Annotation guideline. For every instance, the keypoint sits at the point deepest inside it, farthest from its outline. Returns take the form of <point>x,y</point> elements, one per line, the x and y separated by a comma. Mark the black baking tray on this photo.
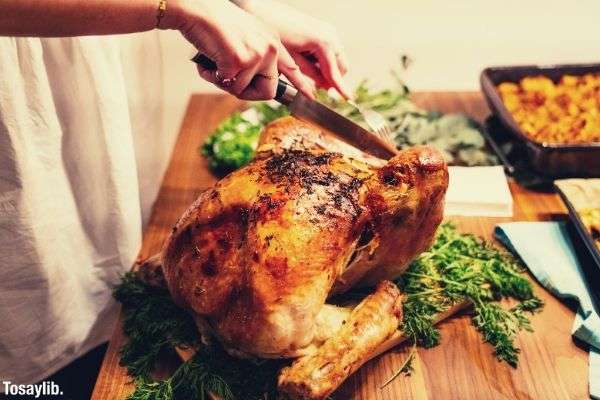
<point>513,155</point>
<point>587,251</point>
<point>546,159</point>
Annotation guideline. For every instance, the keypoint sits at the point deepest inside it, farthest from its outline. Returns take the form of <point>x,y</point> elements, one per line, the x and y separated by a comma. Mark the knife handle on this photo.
<point>284,94</point>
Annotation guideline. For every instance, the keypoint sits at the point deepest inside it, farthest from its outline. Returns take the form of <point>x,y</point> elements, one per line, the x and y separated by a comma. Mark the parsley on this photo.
<point>234,142</point>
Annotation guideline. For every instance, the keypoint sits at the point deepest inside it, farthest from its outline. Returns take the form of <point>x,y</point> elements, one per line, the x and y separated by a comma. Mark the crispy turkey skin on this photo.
<point>257,255</point>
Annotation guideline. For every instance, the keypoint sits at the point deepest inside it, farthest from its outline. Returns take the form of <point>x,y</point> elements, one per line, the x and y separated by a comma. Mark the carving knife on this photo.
<point>313,112</point>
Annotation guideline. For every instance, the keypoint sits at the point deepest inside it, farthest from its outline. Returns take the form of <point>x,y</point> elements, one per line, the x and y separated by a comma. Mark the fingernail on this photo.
<point>310,89</point>
<point>345,90</point>
<point>313,87</point>
<point>310,94</point>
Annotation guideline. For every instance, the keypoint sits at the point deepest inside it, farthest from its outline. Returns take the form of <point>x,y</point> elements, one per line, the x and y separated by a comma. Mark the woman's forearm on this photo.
<point>76,17</point>
<point>249,54</point>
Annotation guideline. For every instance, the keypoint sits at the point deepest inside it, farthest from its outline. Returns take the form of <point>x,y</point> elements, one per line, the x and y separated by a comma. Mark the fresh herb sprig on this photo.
<point>213,371</point>
<point>194,379</point>
<point>406,368</point>
<point>234,142</point>
<point>153,324</point>
<point>462,267</point>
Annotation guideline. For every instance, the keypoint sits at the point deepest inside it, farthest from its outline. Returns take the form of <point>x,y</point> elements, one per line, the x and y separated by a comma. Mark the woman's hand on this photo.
<point>249,55</point>
<point>249,50</point>
<point>312,43</point>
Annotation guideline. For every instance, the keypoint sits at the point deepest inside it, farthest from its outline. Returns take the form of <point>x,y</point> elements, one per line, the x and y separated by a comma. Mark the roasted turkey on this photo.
<point>256,257</point>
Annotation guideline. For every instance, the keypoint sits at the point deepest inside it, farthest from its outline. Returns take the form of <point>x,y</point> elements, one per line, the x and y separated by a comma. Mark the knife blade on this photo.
<point>315,113</point>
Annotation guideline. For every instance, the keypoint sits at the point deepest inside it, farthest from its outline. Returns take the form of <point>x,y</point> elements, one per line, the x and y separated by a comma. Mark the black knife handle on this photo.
<point>285,92</point>
<point>204,62</point>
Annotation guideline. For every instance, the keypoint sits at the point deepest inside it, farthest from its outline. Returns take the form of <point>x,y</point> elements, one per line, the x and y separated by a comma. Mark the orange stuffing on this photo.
<point>558,113</point>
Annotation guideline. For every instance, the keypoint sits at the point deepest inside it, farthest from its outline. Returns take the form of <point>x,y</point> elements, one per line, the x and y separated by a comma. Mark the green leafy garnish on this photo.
<point>192,380</point>
<point>457,268</point>
<point>456,136</point>
<point>153,324</point>
<point>461,267</point>
<point>234,142</point>
<point>212,370</point>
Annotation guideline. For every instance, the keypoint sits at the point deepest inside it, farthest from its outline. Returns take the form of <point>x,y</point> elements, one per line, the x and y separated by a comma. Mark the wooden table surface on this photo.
<point>461,367</point>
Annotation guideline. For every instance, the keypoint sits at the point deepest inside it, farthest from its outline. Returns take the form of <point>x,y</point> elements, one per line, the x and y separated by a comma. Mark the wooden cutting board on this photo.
<point>551,365</point>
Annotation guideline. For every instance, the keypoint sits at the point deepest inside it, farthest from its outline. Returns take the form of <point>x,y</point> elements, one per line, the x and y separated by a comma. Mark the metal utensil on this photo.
<point>377,122</point>
<point>316,113</point>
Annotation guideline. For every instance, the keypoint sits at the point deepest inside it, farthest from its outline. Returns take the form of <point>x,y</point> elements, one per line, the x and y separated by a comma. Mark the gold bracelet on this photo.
<point>160,12</point>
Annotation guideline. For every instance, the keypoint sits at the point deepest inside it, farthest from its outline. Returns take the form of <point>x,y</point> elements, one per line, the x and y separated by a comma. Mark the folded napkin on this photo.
<point>556,267</point>
<point>481,191</point>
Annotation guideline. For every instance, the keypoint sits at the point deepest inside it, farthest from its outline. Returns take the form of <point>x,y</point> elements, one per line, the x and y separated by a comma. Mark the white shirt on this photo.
<point>70,217</point>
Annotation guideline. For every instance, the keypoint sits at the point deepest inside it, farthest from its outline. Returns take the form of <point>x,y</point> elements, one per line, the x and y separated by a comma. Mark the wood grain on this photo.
<point>462,367</point>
